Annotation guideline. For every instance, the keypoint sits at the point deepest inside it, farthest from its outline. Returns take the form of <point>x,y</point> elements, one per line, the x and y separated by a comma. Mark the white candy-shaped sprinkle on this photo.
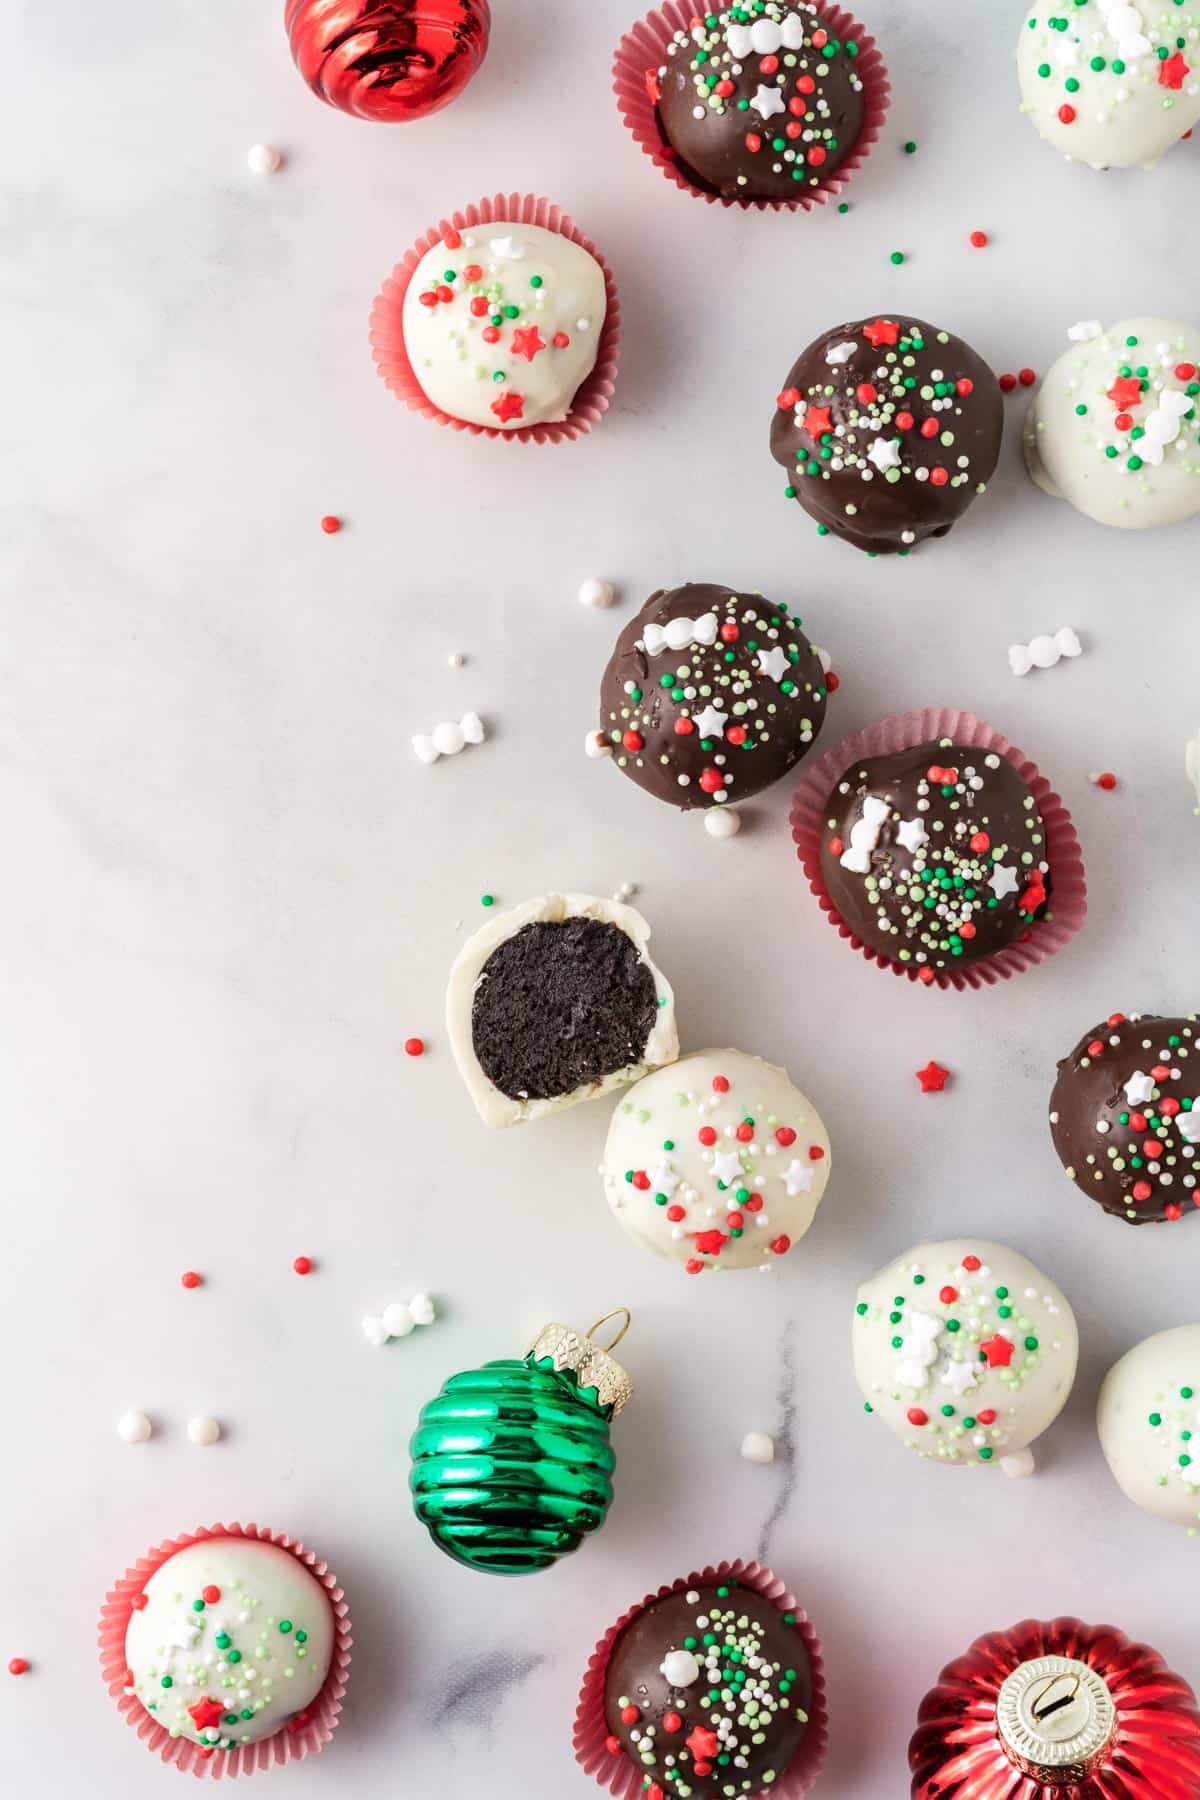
<point>1085,331</point>
<point>134,1428</point>
<point>203,1430</point>
<point>422,1309</point>
<point>757,1447</point>
<point>679,634</point>
<point>374,1330</point>
<point>594,592</point>
<point>721,822</point>
<point>448,738</point>
<point>398,1320</point>
<point>263,159</point>
<point>1043,652</point>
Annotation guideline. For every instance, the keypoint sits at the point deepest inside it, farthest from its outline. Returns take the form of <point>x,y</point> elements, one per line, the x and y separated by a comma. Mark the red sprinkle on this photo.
<point>917,1416</point>
<point>303,1266</point>
<point>190,1279</point>
<point>788,398</point>
<point>979,239</point>
<point>139,1602</point>
<point>712,781</point>
<point>18,1666</point>
<point>745,1132</point>
<point>1096,1048</point>
<point>633,740</point>
<point>331,523</point>
<point>1107,780</point>
<point>693,1266</point>
<point>414,1046</point>
<point>672,1722</point>
<point>451,239</point>
<point>948,1296</point>
<point>1142,1190</point>
<point>1027,377</point>
<point>707,1136</point>
<point>641,1181</point>
<point>630,1715</point>
<point>987,1417</point>
<point>730,632</point>
<point>1008,383</point>
<point>971,1264</point>
<point>1067,114</point>
<point>720,1084</point>
<point>832,682</point>
<point>560,340</point>
<point>867,392</point>
<point>613,1746</point>
<point>210,1595</point>
<point>781,1245</point>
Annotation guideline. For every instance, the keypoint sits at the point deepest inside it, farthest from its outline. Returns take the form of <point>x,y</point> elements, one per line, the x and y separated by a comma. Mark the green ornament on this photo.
<point>511,1464</point>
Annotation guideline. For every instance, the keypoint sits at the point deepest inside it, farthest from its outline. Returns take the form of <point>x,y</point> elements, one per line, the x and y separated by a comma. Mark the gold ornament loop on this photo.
<point>574,1351</point>
<point>618,1312</point>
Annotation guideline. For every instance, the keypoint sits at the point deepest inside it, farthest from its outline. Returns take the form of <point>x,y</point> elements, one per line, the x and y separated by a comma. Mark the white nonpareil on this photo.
<point>680,634</point>
<point>757,1447</point>
<point>680,1669</point>
<point>1044,652</point>
<point>864,836</point>
<point>447,739</point>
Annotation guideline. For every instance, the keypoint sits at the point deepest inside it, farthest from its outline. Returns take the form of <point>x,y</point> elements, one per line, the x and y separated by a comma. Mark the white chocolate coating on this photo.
<point>559,291</point>
<point>1149,1402</point>
<point>1092,458</point>
<point>496,1108</point>
<point>967,1364</point>
<point>1137,103</point>
<point>676,1171</point>
<point>264,1669</point>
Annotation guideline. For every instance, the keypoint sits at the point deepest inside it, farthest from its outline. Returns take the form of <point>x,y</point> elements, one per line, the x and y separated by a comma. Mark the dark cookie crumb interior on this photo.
<point>558,1006</point>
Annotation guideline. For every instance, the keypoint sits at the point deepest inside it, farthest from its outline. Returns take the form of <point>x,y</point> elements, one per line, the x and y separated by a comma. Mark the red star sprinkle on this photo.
<point>1125,391</point>
<point>509,406</point>
<point>998,1350</point>
<point>702,1743</point>
<point>882,332</point>
<point>709,1243</point>
<point>932,1078</point>
<point>1172,73</point>
<point>526,342</point>
<point>205,1713</point>
<point>817,420</point>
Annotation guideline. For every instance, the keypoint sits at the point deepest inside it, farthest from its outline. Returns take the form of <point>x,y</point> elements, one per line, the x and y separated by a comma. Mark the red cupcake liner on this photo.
<point>293,1741</point>
<point>643,50</point>
<point>624,1778</point>
<point>387,324</point>
<point>1068,898</point>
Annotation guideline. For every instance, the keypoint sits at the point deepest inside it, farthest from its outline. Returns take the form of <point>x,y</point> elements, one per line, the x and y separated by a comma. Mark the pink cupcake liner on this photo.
<point>1068,897</point>
<point>306,1735</point>
<point>622,1777</point>
<point>387,324</point>
<point>643,50</point>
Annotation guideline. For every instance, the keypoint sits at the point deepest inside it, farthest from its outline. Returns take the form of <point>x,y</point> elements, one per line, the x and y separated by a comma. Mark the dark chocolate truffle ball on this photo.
<point>665,1667</point>
<point>1125,1116</point>
<point>710,695</point>
<point>760,102</point>
<point>888,429</point>
<point>935,856</point>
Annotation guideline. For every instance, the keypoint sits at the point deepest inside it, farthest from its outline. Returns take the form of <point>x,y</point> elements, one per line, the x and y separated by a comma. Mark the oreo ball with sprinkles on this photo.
<point>965,1351</point>
<point>1111,83</point>
<point>710,695</point>
<point>934,857</point>
<point>1125,1117</point>
<point>502,323</point>
<point>761,101</point>
<point>716,1163</point>
<point>888,429</point>
<point>1115,427</point>
<point>709,1692</point>
<point>1148,1417</point>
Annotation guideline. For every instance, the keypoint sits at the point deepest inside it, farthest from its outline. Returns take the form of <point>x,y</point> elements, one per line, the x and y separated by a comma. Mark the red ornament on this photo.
<point>389,60</point>
<point>1147,1740</point>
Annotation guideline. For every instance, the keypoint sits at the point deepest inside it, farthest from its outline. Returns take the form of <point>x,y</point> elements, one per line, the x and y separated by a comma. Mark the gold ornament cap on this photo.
<point>1056,1720</point>
<point>592,1365</point>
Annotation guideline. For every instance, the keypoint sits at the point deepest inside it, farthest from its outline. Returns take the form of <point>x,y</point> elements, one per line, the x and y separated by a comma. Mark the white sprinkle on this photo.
<point>757,1447</point>
<point>263,159</point>
<point>596,593</point>
<point>203,1430</point>
<point>134,1428</point>
<point>721,822</point>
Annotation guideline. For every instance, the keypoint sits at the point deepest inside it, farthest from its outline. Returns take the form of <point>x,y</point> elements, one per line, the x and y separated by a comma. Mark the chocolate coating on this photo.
<point>686,1722</point>
<point>898,837</point>
<point>888,429</point>
<point>779,98</point>
<point>559,1006</point>
<point>723,716</point>
<point>1121,1116</point>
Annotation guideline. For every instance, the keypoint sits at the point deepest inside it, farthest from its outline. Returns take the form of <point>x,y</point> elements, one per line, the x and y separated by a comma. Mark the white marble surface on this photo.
<point>230,891</point>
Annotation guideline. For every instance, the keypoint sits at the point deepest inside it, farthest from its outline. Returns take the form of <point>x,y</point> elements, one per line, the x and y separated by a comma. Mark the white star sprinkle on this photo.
<point>727,1166</point>
<point>1139,1088</point>
<point>767,102</point>
<point>774,663</point>
<point>885,454</point>
<point>509,249</point>
<point>798,1177</point>
<point>711,722</point>
<point>664,1180</point>
<point>1187,1124</point>
<point>1003,880</point>
<point>959,1377</point>
<point>911,835</point>
<point>837,354</point>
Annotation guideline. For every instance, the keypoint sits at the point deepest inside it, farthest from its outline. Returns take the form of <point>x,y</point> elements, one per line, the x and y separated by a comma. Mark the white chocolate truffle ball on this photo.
<point>1149,1422</point>
<point>1114,83</point>
<point>964,1350</point>
<point>1115,427</point>
<point>230,1627</point>
<point>716,1162</point>
<point>543,351</point>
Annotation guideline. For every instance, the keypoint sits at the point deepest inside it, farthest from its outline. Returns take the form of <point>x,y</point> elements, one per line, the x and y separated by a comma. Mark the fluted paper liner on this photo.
<point>387,324</point>
<point>305,1735</point>
<point>624,1778</point>
<point>642,52</point>
<point>1068,892</point>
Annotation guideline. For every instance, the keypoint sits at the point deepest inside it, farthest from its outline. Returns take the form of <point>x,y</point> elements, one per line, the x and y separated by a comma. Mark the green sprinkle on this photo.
<point>897,256</point>
<point>910,147</point>
<point>487,899</point>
